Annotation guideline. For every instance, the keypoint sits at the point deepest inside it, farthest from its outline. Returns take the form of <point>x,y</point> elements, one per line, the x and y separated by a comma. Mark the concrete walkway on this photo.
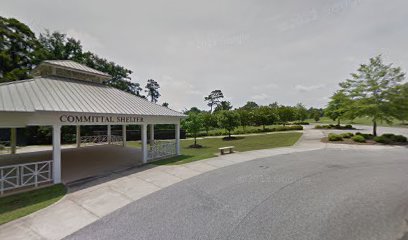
<point>89,202</point>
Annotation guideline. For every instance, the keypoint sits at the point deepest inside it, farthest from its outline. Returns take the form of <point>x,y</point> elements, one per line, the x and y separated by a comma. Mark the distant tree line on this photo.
<point>222,115</point>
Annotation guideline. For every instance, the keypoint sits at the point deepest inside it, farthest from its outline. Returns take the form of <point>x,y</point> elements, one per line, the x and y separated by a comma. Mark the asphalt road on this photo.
<point>323,194</point>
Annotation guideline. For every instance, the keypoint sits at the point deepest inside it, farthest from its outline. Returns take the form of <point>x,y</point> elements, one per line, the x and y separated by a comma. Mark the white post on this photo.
<point>109,134</point>
<point>144,143</point>
<point>151,141</point>
<point>124,135</point>
<point>178,139</point>
<point>13,140</point>
<point>56,153</point>
<point>78,136</point>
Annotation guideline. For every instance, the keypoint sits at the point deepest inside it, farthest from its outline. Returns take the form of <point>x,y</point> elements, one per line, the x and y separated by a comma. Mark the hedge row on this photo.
<point>387,138</point>
<point>249,131</point>
<point>332,126</point>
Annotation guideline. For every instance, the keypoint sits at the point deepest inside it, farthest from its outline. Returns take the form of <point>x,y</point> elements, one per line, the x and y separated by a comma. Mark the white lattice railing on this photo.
<point>161,149</point>
<point>101,139</point>
<point>23,175</point>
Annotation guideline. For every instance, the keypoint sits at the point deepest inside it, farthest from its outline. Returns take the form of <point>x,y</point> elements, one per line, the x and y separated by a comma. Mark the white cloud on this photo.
<point>260,97</point>
<point>303,88</point>
<point>88,41</point>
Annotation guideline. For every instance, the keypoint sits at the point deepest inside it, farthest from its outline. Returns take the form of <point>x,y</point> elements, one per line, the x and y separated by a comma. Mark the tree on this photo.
<point>152,89</point>
<point>223,105</point>
<point>250,105</point>
<point>401,96</point>
<point>191,110</point>
<point>373,90</point>
<point>338,106</point>
<point>245,117</point>
<point>17,50</point>
<point>286,114</point>
<point>265,115</point>
<point>315,114</point>
<point>193,124</point>
<point>301,112</point>
<point>209,121</point>
<point>228,120</point>
<point>20,51</point>
<point>214,99</point>
<point>165,104</point>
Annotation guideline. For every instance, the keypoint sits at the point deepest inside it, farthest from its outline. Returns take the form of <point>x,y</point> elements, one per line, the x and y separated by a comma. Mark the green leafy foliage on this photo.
<point>18,46</point>
<point>193,125</point>
<point>338,106</point>
<point>347,135</point>
<point>358,138</point>
<point>228,120</point>
<point>20,51</point>
<point>264,115</point>
<point>389,138</point>
<point>374,90</point>
<point>335,137</point>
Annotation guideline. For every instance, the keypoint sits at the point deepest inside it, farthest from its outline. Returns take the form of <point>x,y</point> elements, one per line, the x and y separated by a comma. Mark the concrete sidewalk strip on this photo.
<point>199,166</point>
<point>91,201</point>
<point>102,201</point>
<point>18,230</point>
<point>133,187</point>
<point>59,220</point>
<point>158,177</point>
<point>180,171</point>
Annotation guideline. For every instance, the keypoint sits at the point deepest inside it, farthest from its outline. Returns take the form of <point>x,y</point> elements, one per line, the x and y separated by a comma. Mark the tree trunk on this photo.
<point>338,121</point>
<point>195,141</point>
<point>229,134</point>
<point>263,126</point>
<point>375,127</point>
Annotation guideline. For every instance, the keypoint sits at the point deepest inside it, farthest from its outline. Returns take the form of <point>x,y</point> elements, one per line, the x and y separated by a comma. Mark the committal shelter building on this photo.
<point>63,93</point>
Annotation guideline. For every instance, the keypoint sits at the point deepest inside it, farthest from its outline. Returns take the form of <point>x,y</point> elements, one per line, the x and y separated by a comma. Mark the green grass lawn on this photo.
<point>242,144</point>
<point>22,204</point>
<point>360,121</point>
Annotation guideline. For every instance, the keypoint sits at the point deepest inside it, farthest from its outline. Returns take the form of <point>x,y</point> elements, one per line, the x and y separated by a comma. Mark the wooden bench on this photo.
<point>230,148</point>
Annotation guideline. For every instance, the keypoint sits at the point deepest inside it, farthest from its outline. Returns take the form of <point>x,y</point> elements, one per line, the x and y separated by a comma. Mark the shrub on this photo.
<point>389,138</point>
<point>388,135</point>
<point>358,138</point>
<point>335,137</point>
<point>332,126</point>
<point>347,135</point>
<point>399,139</point>
<point>300,123</point>
<point>383,140</point>
<point>365,135</point>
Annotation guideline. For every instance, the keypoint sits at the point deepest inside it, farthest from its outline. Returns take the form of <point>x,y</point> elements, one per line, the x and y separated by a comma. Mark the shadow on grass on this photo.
<point>22,204</point>
<point>232,138</point>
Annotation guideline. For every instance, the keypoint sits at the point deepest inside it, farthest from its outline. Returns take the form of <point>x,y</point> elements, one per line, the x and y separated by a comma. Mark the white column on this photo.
<point>13,140</point>
<point>151,134</point>
<point>78,136</point>
<point>109,134</point>
<point>144,143</point>
<point>124,135</point>
<point>178,139</point>
<point>56,153</point>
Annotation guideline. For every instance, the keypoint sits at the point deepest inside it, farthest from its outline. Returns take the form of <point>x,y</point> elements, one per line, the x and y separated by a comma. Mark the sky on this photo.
<point>257,50</point>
